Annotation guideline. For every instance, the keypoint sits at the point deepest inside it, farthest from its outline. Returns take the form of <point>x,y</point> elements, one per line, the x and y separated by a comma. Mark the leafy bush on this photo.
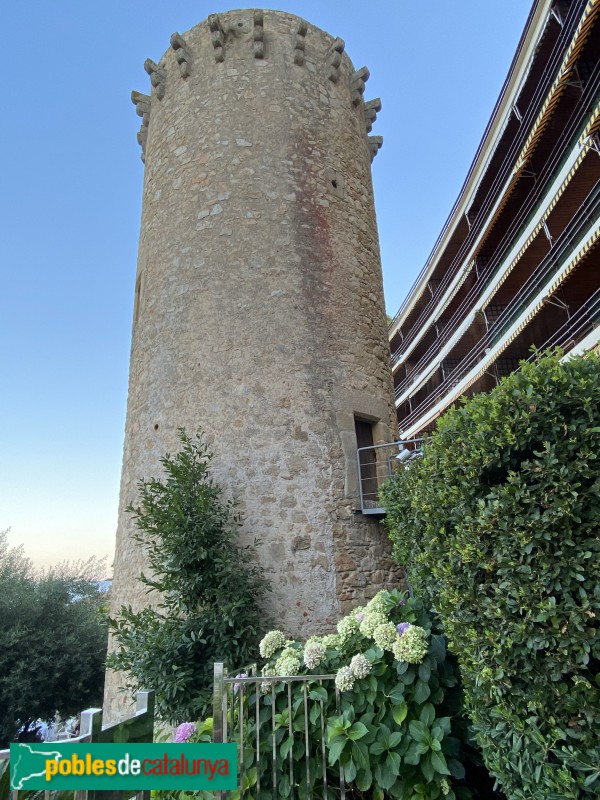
<point>498,528</point>
<point>208,590</point>
<point>52,640</point>
<point>393,727</point>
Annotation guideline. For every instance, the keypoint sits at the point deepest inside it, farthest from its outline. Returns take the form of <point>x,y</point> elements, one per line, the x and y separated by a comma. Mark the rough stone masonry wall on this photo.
<point>259,312</point>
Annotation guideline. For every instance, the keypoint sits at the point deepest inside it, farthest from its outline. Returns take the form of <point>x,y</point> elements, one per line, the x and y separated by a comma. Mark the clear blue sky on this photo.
<point>70,210</point>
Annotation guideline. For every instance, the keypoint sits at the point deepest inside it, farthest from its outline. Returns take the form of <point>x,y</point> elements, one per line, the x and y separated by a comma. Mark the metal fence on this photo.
<point>279,725</point>
<point>136,729</point>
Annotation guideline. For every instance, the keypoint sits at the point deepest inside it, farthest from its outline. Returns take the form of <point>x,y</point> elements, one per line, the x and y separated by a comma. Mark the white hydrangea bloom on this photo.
<point>344,679</point>
<point>333,641</point>
<point>348,625</point>
<point>314,654</point>
<point>378,603</point>
<point>265,686</point>
<point>288,663</point>
<point>385,636</point>
<point>371,620</point>
<point>412,646</point>
<point>360,666</point>
<point>271,643</point>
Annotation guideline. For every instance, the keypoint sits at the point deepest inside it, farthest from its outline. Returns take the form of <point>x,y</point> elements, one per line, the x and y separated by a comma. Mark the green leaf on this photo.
<point>360,754</point>
<point>318,693</point>
<point>284,786</point>
<point>426,768</point>
<point>418,730</point>
<point>364,780</point>
<point>384,776</point>
<point>456,769</point>
<point>357,731</point>
<point>427,715</point>
<point>335,750</point>
<point>350,771</point>
<point>286,746</point>
<point>438,762</point>
<point>395,739</point>
<point>413,754</point>
<point>422,691</point>
<point>392,762</point>
<point>397,694</point>
<point>399,712</point>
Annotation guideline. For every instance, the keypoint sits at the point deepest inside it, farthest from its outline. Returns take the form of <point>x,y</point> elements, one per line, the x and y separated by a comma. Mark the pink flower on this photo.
<point>184,731</point>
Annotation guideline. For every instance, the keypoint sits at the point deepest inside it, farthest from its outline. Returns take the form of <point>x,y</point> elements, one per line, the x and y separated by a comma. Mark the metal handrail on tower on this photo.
<point>376,464</point>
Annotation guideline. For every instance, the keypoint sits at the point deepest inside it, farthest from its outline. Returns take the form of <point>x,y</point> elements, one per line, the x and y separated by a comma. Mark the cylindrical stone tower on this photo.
<point>259,313</point>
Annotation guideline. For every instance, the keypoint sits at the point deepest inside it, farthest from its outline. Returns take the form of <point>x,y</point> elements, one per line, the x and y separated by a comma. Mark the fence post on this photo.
<point>218,691</point>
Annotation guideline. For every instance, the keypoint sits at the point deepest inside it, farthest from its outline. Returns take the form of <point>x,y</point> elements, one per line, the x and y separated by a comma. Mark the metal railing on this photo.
<point>376,464</point>
<point>273,720</point>
<point>136,729</point>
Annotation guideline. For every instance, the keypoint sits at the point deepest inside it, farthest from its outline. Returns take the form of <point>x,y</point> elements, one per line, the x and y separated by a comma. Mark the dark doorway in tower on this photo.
<point>367,462</point>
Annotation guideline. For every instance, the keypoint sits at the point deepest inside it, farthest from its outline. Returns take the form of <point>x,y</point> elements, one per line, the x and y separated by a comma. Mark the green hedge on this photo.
<point>498,528</point>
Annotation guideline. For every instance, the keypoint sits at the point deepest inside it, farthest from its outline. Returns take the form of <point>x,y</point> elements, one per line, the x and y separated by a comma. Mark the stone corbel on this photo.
<point>258,35</point>
<point>375,144</point>
<point>298,41</point>
<point>181,54</point>
<point>217,36</point>
<point>357,84</point>
<point>334,59</point>
<point>157,77</point>
<point>372,108</point>
<point>142,108</point>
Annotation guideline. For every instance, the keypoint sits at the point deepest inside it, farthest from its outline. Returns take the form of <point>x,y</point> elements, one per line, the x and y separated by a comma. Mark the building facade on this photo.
<point>259,314</point>
<point>517,262</point>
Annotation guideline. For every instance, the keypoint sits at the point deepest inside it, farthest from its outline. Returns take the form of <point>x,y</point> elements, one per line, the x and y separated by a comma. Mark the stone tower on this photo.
<point>259,312</point>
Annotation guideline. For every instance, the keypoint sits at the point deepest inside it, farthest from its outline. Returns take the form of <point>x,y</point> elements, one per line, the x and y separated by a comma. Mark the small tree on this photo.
<point>208,590</point>
<point>52,640</point>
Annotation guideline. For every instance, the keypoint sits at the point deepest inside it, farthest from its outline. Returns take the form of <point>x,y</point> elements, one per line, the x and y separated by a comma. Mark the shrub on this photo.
<point>208,590</point>
<point>498,528</point>
<point>52,641</point>
<point>393,727</point>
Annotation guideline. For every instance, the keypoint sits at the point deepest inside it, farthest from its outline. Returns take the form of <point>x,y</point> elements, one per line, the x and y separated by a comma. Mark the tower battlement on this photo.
<point>272,38</point>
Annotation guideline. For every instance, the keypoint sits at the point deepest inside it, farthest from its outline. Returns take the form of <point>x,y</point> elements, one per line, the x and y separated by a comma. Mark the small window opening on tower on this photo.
<point>367,462</point>
<point>335,182</point>
<point>137,298</point>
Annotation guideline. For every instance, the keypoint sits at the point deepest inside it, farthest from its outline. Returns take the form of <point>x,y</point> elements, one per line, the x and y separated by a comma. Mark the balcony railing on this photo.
<point>376,465</point>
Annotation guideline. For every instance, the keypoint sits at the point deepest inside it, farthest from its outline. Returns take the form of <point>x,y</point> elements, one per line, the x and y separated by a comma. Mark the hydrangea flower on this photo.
<point>344,679</point>
<point>333,641</point>
<point>265,686</point>
<point>371,620</point>
<point>412,646</point>
<point>378,603</point>
<point>348,626</point>
<point>360,666</point>
<point>402,627</point>
<point>184,731</point>
<point>271,643</point>
<point>314,654</point>
<point>288,663</point>
<point>385,635</point>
